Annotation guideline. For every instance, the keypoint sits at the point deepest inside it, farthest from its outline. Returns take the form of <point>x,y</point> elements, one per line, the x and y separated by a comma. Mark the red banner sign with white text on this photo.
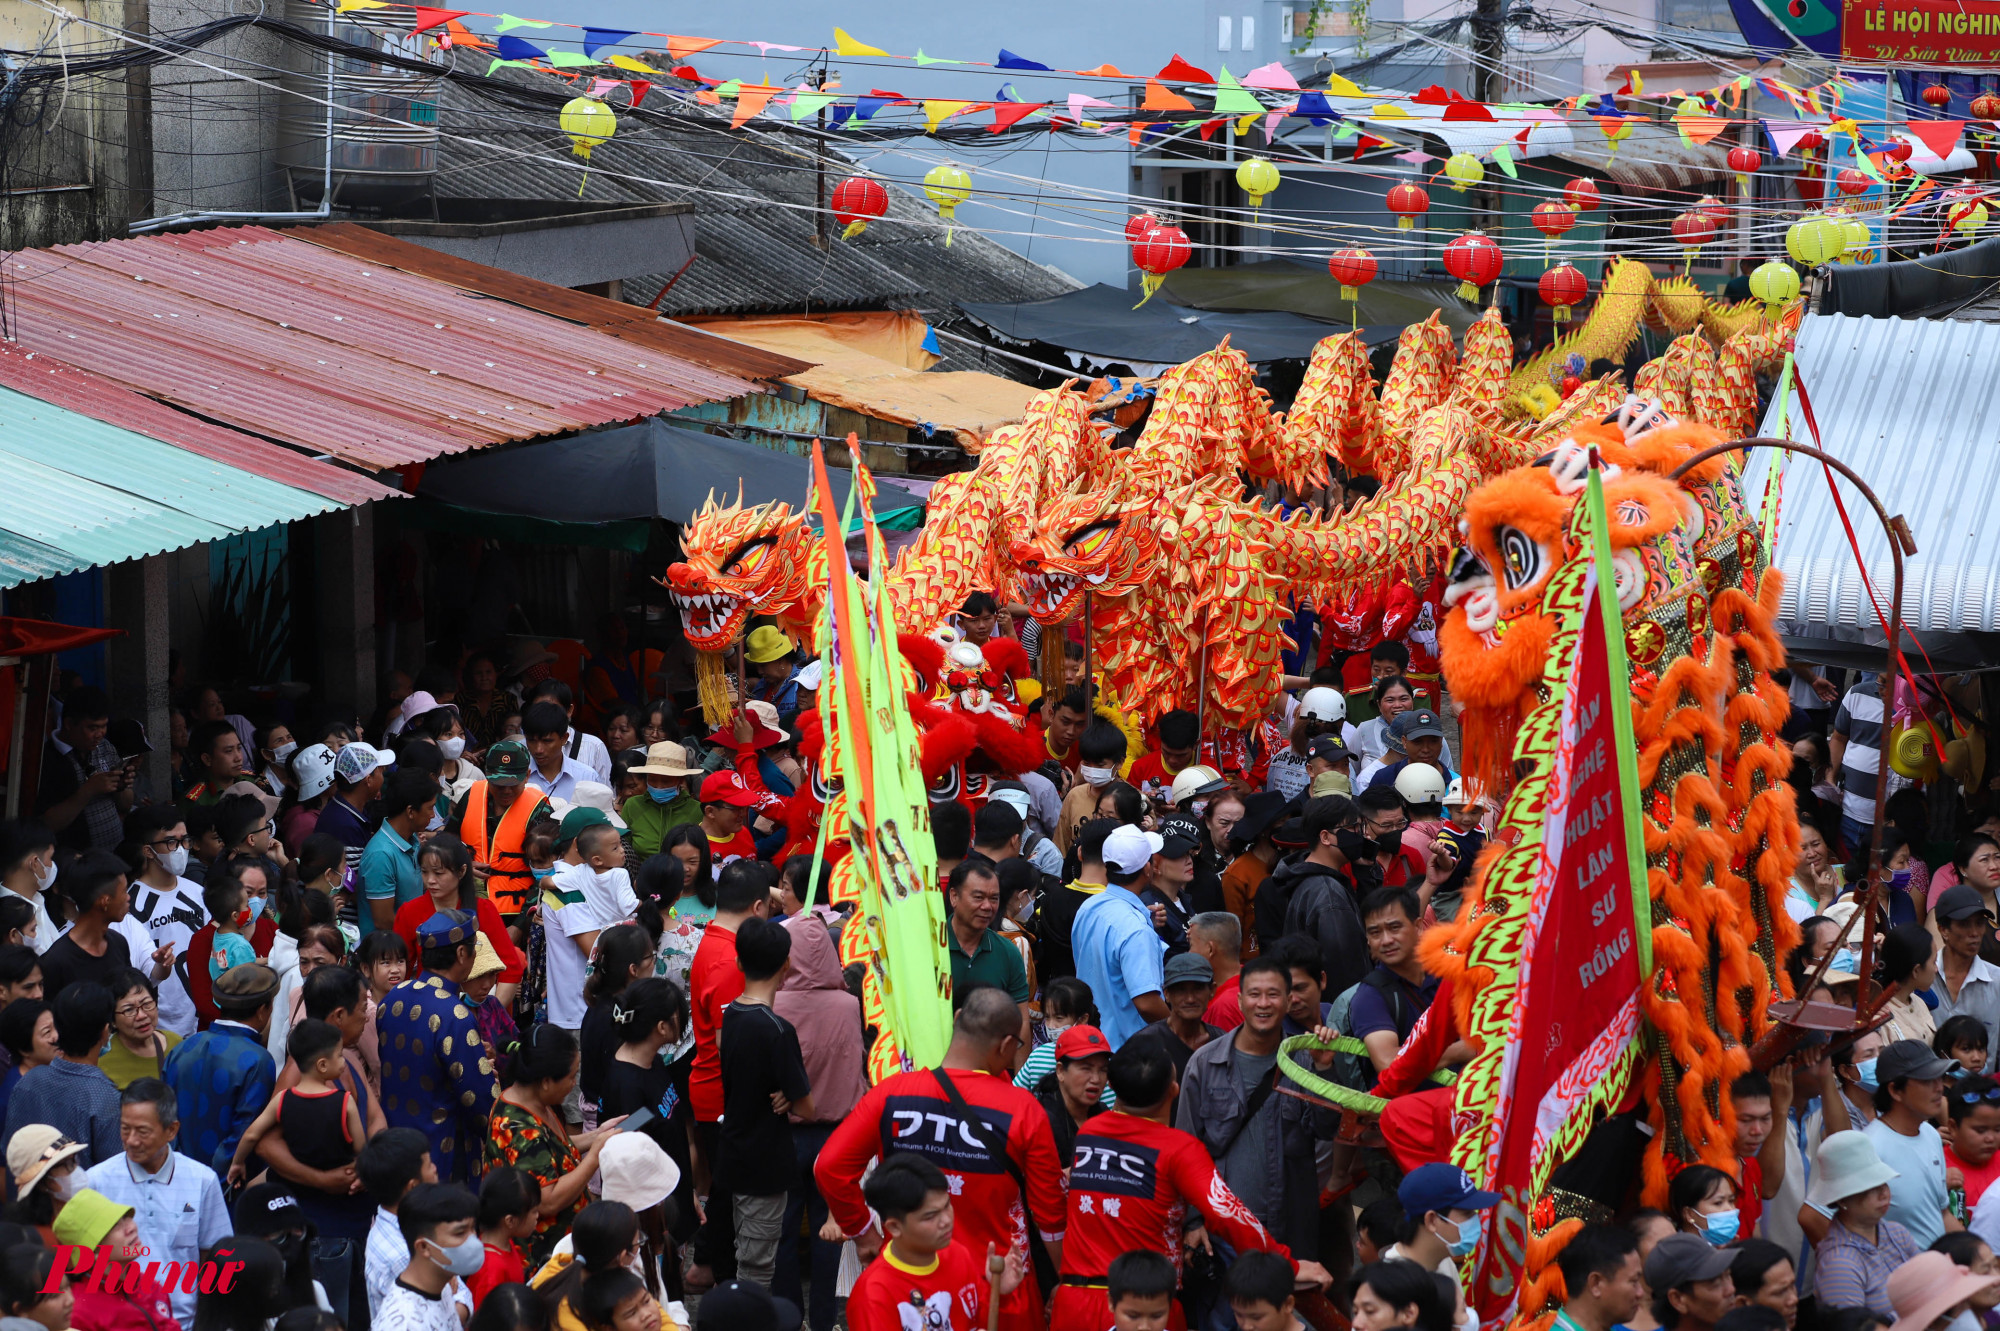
<point>1924,32</point>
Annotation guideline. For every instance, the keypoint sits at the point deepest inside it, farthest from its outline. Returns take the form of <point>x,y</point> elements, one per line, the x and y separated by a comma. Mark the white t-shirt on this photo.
<point>591,753</point>
<point>1917,1196</point>
<point>575,901</point>
<point>171,917</point>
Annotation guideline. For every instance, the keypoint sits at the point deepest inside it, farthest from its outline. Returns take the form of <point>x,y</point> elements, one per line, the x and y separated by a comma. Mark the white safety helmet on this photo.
<point>1193,782</point>
<point>313,767</point>
<point>1454,794</point>
<point>1323,704</point>
<point>1418,784</point>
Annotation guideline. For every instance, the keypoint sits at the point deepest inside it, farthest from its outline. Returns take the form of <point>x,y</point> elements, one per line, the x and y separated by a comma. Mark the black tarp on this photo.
<point>1932,286</point>
<point>1100,322</point>
<point>648,470</point>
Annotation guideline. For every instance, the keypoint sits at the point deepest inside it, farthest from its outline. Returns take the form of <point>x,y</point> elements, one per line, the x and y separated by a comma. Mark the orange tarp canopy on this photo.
<point>874,363</point>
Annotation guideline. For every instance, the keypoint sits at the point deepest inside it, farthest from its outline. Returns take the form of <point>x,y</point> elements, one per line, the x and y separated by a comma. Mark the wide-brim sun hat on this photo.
<point>1927,1286</point>
<point>1847,1166</point>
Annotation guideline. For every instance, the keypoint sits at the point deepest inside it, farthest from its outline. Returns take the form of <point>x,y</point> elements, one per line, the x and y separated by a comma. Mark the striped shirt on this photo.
<point>1854,1273</point>
<point>1859,720</point>
<point>179,1211</point>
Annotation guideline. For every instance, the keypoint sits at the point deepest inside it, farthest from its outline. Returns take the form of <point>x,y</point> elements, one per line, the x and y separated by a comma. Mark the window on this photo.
<point>1222,36</point>
<point>1249,33</point>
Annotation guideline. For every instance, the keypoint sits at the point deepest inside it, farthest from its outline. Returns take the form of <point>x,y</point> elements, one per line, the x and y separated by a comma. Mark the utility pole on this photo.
<point>819,167</point>
<point>1489,43</point>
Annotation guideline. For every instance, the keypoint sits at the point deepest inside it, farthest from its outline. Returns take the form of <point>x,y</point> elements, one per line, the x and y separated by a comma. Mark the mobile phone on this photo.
<point>637,1119</point>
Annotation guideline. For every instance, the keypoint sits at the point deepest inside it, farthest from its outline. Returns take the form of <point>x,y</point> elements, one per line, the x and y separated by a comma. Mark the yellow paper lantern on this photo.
<point>1857,236</point>
<point>1464,170</point>
<point>1968,217</point>
<point>947,186</point>
<point>1774,283</point>
<point>1256,178</point>
<point>1815,241</point>
<point>588,122</point>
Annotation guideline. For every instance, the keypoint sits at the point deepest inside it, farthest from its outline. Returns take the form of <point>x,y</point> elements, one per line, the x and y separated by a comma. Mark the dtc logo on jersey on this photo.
<point>932,1128</point>
<point>1105,1164</point>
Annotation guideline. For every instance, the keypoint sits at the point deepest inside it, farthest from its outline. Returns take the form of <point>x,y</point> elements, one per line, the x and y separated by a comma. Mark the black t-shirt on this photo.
<point>626,1088</point>
<point>1160,1038</point>
<point>760,1054</point>
<point>65,963</point>
<point>598,1041</point>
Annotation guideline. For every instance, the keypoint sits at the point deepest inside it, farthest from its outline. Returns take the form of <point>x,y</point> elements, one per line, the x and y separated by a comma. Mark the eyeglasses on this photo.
<point>169,843</point>
<point>1974,1097</point>
<point>144,1007</point>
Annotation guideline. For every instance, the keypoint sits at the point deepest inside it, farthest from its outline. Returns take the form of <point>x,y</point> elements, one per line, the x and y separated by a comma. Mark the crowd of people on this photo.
<point>526,1009</point>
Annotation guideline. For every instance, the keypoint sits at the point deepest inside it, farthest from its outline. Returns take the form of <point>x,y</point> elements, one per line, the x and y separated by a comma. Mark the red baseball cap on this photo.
<point>726,788</point>
<point>1081,1042</point>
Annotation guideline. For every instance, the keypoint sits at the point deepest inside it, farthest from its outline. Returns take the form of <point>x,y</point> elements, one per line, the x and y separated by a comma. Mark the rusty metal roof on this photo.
<point>1651,160</point>
<point>64,385</point>
<point>338,355</point>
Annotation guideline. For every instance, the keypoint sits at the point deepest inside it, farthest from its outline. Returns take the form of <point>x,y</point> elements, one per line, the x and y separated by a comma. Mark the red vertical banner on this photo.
<point>1585,956</point>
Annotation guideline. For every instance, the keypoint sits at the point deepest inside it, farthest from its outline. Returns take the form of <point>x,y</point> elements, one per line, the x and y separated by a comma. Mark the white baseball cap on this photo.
<point>356,762</point>
<point>1323,704</point>
<point>1128,848</point>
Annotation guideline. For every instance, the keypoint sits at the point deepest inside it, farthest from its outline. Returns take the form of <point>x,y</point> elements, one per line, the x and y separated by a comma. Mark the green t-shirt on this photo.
<point>997,962</point>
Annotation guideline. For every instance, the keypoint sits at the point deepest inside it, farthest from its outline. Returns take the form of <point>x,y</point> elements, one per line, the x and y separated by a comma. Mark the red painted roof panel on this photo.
<point>331,353</point>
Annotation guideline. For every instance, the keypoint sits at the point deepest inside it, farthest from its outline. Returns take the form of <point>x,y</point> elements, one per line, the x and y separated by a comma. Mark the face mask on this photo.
<point>282,752</point>
<point>1388,843</point>
<point>1865,1069</point>
<point>256,908</point>
<point>45,877</point>
<point>465,1259</point>
<point>453,747</point>
<point>543,873</point>
<point>64,1188</point>
<point>175,862</point>
<point>1719,1228</point>
<point>1097,776</point>
<point>1468,1236</point>
<point>663,796</point>
<point>1900,878</point>
<point>1354,846</point>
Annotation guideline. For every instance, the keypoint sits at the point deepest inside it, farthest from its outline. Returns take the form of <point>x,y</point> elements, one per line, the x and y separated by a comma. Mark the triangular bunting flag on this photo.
<point>457,34</point>
<point>1386,111</point>
<point>1467,111</point>
<point>570,59</point>
<point>1208,128</point>
<point>1367,143</point>
<point>1008,60</point>
<point>1312,105</point>
<point>1271,123</point>
<point>807,102</point>
<point>1434,96</point>
<point>523,64</point>
<point>346,6</point>
<point>750,102</point>
<point>432,18</point>
<point>1180,71</point>
<point>1106,72</point>
<point>639,90</point>
<point>1273,77</point>
<point>680,48</point>
<point>508,23</point>
<point>1006,115</point>
<point>928,60</point>
<point>596,37</point>
<point>513,48</point>
<point>846,45</point>
<point>1159,99</point>
<point>936,111</point>
<point>1700,129</point>
<point>1503,157</point>
<point>1940,136</point>
<point>627,62</point>
<point>1078,101</point>
<point>1341,87</point>
<point>1232,98</point>
<point>1785,135</point>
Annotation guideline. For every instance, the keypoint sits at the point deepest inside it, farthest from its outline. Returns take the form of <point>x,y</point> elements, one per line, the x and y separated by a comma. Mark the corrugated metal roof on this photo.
<point>80,493</point>
<point>1651,158</point>
<point>755,257</point>
<point>331,353</point>
<point>1910,405</point>
<point>65,385</point>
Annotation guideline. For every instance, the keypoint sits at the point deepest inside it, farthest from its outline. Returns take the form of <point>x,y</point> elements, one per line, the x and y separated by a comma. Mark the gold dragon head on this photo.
<point>740,562</point>
<point>1101,541</point>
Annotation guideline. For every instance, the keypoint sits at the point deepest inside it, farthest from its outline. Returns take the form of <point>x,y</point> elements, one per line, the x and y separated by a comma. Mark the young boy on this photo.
<point>437,1222</point>
<point>763,1079</point>
<point>394,1161</point>
<point>231,913</point>
<point>1259,1286</point>
<point>1974,1150</point>
<point>1140,1286</point>
<point>923,1278</point>
<point>1375,1230</point>
<point>324,1118</point>
<point>508,1200</point>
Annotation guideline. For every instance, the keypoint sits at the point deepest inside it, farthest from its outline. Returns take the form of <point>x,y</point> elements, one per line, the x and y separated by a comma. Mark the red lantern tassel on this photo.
<point>1404,224</point>
<point>1467,291</point>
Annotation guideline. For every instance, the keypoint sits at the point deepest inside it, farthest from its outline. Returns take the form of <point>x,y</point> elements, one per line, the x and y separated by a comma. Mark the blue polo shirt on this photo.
<point>388,872</point>
<point>1120,957</point>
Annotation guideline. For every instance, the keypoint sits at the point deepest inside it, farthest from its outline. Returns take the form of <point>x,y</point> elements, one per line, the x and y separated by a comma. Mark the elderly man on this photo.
<point>437,1074</point>
<point>175,1199</point>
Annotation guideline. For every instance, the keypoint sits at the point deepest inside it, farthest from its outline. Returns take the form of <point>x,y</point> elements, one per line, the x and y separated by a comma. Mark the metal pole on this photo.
<point>1901,544</point>
<point>1201,695</point>
<point>14,741</point>
<point>1088,700</point>
<point>819,170</point>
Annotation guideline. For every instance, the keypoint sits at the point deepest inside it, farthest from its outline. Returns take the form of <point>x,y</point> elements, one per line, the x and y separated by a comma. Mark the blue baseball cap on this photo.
<point>1442,1188</point>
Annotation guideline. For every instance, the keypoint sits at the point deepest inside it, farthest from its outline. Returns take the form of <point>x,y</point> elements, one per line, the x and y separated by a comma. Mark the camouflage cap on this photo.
<point>507,763</point>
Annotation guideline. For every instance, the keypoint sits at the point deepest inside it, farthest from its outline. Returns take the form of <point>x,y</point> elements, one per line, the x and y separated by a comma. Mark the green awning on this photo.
<point>81,493</point>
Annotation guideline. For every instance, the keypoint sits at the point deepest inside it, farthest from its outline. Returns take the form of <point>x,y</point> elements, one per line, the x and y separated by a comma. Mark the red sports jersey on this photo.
<point>714,982</point>
<point>949,1295</point>
<point>1131,1182</point>
<point>1150,775</point>
<point>910,1112</point>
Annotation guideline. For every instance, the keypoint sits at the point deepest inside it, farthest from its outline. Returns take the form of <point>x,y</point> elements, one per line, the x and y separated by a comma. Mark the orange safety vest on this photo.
<point>511,881</point>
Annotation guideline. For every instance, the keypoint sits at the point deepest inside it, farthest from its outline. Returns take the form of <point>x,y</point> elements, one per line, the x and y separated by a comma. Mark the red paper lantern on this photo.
<point>1562,287</point>
<point>1353,268</point>
<point>1157,253</point>
<point>1899,151</point>
<point>1552,219</point>
<point>1712,208</point>
<point>1851,181</point>
<point>1138,225</point>
<point>1811,143</point>
<point>1408,202</point>
<point>1474,259</point>
<point>858,200</point>
<point>1745,162</point>
<point>1581,195</point>
<point>1986,107</point>
<point>1937,95</point>
<point>1694,228</point>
